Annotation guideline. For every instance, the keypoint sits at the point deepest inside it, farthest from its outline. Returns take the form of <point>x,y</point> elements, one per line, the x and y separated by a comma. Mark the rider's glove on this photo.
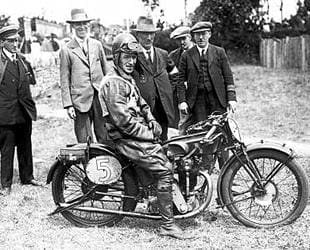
<point>183,107</point>
<point>156,128</point>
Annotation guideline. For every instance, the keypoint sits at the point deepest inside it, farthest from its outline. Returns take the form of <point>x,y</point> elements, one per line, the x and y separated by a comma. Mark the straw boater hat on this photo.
<point>179,32</point>
<point>79,15</point>
<point>145,24</point>
<point>9,32</point>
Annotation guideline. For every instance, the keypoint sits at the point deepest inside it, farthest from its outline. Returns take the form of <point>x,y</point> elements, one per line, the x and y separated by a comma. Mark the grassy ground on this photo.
<point>271,103</point>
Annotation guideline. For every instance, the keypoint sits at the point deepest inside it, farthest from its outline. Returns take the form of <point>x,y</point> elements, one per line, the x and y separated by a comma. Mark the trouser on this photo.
<point>206,104</point>
<point>84,121</point>
<point>18,135</point>
<point>142,154</point>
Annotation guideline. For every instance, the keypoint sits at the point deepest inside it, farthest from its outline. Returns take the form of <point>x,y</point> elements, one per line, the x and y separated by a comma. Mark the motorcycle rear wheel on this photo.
<point>282,202</point>
<point>70,182</point>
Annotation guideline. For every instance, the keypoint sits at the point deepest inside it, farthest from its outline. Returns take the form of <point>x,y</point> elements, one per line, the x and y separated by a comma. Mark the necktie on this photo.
<point>203,53</point>
<point>149,56</point>
<point>84,48</point>
<point>14,58</point>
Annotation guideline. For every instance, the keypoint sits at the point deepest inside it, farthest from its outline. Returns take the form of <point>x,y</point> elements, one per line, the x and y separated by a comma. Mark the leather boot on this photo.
<point>168,227</point>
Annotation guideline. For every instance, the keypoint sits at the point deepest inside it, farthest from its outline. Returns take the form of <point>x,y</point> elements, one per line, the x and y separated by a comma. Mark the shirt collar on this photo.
<point>9,54</point>
<point>146,54</point>
<point>200,49</point>
<point>80,41</point>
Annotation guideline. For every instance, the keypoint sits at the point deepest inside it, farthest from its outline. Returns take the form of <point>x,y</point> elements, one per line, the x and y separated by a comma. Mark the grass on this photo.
<point>271,103</point>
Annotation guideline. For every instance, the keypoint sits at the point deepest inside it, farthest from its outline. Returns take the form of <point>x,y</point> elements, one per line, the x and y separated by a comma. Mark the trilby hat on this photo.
<point>9,32</point>
<point>79,15</point>
<point>145,24</point>
<point>201,26</point>
<point>180,32</point>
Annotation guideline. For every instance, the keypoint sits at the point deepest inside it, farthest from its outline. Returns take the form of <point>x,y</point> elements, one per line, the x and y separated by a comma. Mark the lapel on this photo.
<point>77,50</point>
<point>3,63</point>
<point>92,48</point>
<point>211,54</point>
<point>142,60</point>
<point>194,55</point>
<point>21,69</point>
<point>158,61</point>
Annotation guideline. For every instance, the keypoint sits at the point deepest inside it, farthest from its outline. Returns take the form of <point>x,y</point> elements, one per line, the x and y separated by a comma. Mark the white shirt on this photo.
<point>82,43</point>
<point>145,52</point>
<point>204,49</point>
<point>10,55</point>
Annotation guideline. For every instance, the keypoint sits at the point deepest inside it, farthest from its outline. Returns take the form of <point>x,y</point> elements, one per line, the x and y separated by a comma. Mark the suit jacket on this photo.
<point>175,56</point>
<point>79,75</point>
<point>219,70</point>
<point>16,103</point>
<point>148,78</point>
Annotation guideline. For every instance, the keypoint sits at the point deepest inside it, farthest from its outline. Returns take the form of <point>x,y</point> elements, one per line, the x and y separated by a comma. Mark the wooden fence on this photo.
<point>286,53</point>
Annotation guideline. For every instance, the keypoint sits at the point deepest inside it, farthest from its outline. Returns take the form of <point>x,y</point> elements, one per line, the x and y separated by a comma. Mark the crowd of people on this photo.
<point>130,105</point>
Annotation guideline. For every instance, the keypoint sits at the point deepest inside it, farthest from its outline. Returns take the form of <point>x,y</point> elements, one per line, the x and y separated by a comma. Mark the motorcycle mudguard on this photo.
<point>95,149</point>
<point>249,148</point>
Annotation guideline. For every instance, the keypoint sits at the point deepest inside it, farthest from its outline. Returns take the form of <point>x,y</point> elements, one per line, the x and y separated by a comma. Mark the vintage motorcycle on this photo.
<point>261,184</point>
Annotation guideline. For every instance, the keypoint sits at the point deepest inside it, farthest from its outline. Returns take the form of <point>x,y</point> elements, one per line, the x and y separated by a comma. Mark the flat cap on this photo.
<point>9,31</point>
<point>180,32</point>
<point>201,26</point>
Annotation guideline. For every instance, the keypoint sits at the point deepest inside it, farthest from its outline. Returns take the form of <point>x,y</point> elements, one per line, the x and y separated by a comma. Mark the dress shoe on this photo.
<point>6,191</point>
<point>34,182</point>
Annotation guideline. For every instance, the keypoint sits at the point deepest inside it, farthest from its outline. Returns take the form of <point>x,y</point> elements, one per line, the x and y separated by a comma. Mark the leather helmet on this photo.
<point>126,43</point>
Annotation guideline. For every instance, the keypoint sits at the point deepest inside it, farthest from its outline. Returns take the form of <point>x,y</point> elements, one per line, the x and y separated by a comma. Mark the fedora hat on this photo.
<point>79,15</point>
<point>9,32</point>
<point>145,24</point>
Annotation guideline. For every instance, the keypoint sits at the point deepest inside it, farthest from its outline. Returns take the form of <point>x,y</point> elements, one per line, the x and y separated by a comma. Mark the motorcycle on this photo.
<point>261,184</point>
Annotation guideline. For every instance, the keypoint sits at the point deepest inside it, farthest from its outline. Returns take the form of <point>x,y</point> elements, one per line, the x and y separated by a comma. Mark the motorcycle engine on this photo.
<point>103,170</point>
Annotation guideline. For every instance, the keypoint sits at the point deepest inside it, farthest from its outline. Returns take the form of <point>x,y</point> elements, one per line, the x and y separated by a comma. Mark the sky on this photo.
<point>115,11</point>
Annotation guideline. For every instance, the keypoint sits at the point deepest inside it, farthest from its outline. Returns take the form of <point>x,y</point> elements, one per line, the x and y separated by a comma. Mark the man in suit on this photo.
<point>210,84</point>
<point>183,37</point>
<point>82,67</point>
<point>151,75</point>
<point>17,110</point>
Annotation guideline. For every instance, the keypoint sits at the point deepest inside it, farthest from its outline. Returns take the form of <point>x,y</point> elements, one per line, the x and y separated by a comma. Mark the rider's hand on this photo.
<point>71,113</point>
<point>183,107</point>
<point>156,128</point>
<point>232,105</point>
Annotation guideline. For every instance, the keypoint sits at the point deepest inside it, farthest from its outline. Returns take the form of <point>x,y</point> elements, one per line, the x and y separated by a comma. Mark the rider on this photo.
<point>133,128</point>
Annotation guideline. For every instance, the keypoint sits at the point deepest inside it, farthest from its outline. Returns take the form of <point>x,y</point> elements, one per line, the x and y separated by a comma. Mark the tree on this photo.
<point>4,20</point>
<point>236,23</point>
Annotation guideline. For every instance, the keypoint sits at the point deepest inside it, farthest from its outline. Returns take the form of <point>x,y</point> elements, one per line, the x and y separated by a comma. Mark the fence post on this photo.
<point>303,54</point>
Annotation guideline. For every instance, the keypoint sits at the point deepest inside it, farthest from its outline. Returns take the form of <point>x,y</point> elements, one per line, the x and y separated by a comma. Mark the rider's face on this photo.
<point>127,62</point>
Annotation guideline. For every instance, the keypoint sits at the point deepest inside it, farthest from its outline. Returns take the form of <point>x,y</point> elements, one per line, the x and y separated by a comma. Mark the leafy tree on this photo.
<point>152,3</point>
<point>236,23</point>
<point>4,20</point>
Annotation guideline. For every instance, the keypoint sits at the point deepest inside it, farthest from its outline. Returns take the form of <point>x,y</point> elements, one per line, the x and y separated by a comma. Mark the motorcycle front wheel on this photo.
<point>281,201</point>
<point>70,184</point>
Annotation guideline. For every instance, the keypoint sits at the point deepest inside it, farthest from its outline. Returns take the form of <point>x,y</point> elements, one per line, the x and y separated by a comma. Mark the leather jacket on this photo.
<point>127,112</point>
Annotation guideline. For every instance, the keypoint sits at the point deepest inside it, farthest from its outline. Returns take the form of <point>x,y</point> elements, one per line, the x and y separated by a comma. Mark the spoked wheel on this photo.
<point>281,201</point>
<point>70,184</point>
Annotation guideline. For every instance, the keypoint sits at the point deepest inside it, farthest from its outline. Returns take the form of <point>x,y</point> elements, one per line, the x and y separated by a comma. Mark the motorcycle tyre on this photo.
<point>295,168</point>
<point>129,204</point>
